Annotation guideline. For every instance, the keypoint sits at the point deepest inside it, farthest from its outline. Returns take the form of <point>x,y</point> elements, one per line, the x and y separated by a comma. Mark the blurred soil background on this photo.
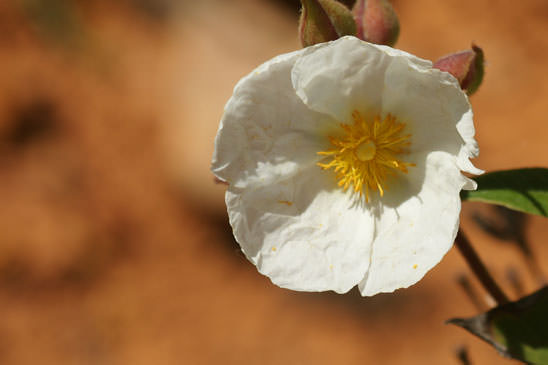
<point>114,241</point>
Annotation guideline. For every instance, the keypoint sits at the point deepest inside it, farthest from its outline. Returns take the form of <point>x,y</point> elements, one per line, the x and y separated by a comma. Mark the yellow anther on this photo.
<point>367,153</point>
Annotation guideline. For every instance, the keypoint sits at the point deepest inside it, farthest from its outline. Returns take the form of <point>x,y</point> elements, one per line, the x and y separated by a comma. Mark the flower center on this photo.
<point>367,153</point>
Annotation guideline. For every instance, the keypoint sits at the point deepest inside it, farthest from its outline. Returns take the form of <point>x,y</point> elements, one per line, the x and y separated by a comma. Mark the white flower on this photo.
<point>344,166</point>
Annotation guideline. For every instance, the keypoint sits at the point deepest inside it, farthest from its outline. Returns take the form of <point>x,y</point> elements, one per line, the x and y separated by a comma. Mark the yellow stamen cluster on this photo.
<point>367,153</point>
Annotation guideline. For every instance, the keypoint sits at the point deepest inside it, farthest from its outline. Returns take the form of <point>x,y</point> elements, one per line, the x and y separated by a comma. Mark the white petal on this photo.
<point>435,109</point>
<point>414,233</point>
<point>470,184</point>
<point>470,149</point>
<point>304,232</point>
<point>289,216</point>
<point>266,132</point>
<point>345,75</point>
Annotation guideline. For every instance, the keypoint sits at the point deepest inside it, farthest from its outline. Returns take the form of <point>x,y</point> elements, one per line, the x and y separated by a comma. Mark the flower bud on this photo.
<point>376,21</point>
<point>465,66</point>
<point>324,20</point>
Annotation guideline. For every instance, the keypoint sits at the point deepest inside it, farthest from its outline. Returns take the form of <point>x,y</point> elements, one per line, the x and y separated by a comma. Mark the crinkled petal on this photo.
<point>304,232</point>
<point>290,217</point>
<point>414,232</point>
<point>348,74</point>
<point>435,109</point>
<point>338,77</point>
<point>266,132</point>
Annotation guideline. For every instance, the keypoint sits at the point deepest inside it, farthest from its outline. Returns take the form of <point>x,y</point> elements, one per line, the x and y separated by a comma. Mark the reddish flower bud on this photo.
<point>466,66</point>
<point>376,21</point>
<point>324,20</point>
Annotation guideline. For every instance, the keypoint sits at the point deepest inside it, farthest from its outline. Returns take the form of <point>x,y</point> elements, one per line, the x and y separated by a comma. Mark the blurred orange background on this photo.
<point>114,241</point>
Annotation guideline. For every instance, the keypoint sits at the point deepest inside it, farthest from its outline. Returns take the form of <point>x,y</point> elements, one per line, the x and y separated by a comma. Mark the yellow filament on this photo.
<point>368,153</point>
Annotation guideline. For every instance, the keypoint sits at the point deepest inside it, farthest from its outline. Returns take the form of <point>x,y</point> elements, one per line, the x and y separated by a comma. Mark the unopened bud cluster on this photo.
<point>375,21</point>
<point>323,21</point>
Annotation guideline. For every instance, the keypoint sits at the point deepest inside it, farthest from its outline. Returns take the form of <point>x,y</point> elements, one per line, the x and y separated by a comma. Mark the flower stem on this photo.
<point>479,269</point>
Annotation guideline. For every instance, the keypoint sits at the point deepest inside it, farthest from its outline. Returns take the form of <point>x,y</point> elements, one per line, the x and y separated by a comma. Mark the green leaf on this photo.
<point>525,190</point>
<point>518,329</point>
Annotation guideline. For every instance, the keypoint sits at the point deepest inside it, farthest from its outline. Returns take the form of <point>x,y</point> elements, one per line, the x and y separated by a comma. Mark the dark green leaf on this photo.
<point>518,329</point>
<point>525,190</point>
